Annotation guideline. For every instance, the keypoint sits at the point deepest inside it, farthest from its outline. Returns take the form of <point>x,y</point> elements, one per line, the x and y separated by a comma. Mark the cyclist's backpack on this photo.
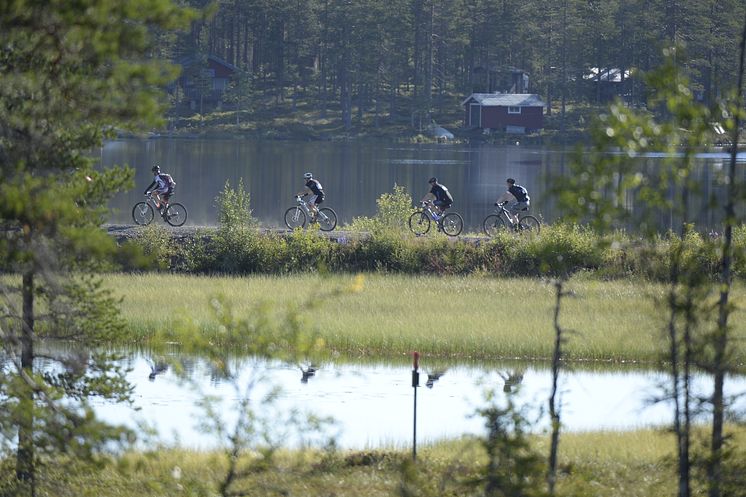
<point>448,194</point>
<point>520,193</point>
<point>168,179</point>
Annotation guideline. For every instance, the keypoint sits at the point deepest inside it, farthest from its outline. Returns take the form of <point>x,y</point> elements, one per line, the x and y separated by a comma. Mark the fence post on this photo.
<point>415,384</point>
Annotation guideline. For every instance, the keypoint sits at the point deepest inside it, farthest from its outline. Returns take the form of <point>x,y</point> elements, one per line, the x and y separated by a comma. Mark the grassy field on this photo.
<point>609,464</point>
<point>450,317</point>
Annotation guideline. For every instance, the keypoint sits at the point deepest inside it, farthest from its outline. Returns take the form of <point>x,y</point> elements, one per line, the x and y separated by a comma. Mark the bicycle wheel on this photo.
<point>327,219</point>
<point>295,218</point>
<point>493,224</point>
<point>175,215</point>
<point>452,224</point>
<point>529,224</point>
<point>142,214</point>
<point>419,223</point>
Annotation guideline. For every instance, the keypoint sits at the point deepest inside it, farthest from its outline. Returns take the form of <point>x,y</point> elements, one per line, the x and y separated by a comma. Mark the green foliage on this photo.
<point>234,208</point>
<point>561,249</point>
<point>597,187</point>
<point>514,468</point>
<point>70,73</point>
<point>236,246</point>
<point>156,244</point>
<point>308,251</point>
<point>392,214</point>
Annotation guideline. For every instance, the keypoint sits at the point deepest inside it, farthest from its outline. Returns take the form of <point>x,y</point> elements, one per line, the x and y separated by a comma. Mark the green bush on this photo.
<point>234,208</point>
<point>385,250</point>
<point>237,247</point>
<point>308,251</point>
<point>561,249</point>
<point>158,246</point>
<point>393,213</point>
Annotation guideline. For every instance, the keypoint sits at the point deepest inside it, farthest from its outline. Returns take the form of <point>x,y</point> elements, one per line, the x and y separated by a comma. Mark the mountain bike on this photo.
<point>296,217</point>
<point>451,224</point>
<point>501,220</point>
<point>144,212</point>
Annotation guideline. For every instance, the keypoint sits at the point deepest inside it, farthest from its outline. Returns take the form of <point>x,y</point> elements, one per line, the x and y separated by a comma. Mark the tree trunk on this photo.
<point>554,414</point>
<point>25,470</point>
<point>714,469</point>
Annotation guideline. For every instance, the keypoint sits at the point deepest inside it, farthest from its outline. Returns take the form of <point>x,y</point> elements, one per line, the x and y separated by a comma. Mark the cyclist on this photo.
<point>442,198</point>
<point>517,198</point>
<point>164,187</point>
<point>316,191</point>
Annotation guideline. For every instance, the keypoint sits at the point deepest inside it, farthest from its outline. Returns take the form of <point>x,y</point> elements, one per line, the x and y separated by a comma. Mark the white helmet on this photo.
<point>308,175</point>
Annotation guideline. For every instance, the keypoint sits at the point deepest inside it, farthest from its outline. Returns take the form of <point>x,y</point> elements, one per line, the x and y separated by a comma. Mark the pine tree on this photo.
<point>69,73</point>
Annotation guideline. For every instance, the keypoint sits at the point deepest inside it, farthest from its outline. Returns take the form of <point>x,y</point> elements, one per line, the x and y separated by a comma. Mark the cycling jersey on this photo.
<point>520,193</point>
<point>441,194</point>
<point>315,187</point>
<point>161,184</point>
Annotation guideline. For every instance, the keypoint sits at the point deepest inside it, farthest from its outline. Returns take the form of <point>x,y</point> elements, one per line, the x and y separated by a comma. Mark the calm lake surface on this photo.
<point>373,403</point>
<point>356,173</point>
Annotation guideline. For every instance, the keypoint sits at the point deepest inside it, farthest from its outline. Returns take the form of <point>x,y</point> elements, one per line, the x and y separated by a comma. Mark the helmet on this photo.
<point>156,168</point>
<point>308,175</point>
<point>433,180</point>
<point>510,180</point>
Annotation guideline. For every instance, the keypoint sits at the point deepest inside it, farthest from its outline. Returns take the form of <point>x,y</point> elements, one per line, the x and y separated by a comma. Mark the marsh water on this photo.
<point>356,173</point>
<point>372,404</point>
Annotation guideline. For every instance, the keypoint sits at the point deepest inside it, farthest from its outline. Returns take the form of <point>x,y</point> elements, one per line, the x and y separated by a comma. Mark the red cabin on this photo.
<point>509,112</point>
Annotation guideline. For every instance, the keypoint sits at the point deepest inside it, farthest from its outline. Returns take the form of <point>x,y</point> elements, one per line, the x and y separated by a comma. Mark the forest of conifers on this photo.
<point>370,53</point>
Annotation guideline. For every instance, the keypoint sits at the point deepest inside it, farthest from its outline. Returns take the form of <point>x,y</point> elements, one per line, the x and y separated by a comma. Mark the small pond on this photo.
<point>373,403</point>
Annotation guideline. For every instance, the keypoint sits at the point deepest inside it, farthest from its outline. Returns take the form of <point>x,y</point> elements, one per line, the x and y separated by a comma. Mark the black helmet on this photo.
<point>308,176</point>
<point>511,181</point>
<point>433,180</point>
<point>156,168</point>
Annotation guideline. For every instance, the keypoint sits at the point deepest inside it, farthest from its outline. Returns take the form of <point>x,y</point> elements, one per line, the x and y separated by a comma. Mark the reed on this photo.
<point>613,464</point>
<point>450,317</point>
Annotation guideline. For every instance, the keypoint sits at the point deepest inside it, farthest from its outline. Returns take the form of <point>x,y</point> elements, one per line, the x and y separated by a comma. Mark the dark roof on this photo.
<point>191,60</point>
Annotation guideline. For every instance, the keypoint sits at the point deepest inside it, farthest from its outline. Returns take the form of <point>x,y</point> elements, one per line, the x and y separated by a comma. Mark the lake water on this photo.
<point>373,403</point>
<point>355,174</point>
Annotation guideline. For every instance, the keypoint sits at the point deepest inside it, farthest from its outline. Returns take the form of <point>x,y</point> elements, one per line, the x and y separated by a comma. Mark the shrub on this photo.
<point>234,247</point>
<point>157,245</point>
<point>561,249</point>
<point>393,213</point>
<point>234,208</point>
<point>307,251</point>
<point>385,250</point>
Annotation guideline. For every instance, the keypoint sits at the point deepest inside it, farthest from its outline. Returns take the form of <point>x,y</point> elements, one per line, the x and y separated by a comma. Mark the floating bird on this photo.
<point>512,379</point>
<point>157,368</point>
<point>307,373</point>
<point>433,377</point>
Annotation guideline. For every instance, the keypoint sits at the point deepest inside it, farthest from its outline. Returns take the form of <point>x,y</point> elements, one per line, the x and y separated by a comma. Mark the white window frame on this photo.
<point>514,110</point>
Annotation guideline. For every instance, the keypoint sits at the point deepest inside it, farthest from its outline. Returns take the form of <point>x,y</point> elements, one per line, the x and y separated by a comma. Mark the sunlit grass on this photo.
<point>458,317</point>
<point>613,464</point>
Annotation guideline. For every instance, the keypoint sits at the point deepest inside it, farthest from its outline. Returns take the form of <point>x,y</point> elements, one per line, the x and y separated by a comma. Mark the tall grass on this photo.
<point>449,317</point>
<point>611,464</point>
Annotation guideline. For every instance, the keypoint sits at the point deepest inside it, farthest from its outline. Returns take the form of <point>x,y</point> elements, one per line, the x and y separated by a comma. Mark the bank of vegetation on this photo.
<point>237,247</point>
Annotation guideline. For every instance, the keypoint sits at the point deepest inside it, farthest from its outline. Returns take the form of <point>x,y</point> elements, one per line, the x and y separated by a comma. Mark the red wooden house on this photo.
<point>508,112</point>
